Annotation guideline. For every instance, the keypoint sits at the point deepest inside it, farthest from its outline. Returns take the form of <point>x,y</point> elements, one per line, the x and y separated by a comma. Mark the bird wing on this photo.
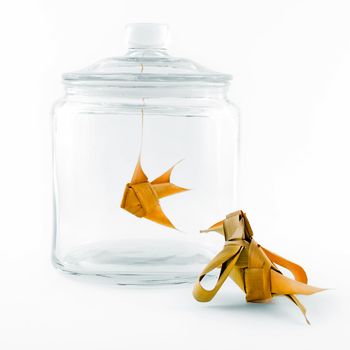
<point>283,285</point>
<point>297,271</point>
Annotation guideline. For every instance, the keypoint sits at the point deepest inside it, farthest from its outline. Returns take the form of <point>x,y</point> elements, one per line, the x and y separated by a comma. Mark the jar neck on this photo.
<point>147,52</point>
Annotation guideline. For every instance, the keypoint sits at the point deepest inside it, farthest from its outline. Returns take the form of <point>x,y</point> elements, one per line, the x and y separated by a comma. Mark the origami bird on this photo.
<point>252,267</point>
<point>141,197</point>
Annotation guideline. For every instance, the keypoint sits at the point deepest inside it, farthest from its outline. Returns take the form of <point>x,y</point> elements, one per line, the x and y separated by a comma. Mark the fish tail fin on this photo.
<point>165,177</point>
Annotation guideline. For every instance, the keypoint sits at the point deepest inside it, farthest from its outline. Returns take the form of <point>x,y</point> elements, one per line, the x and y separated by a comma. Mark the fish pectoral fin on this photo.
<point>218,227</point>
<point>167,189</point>
<point>157,215</point>
<point>164,178</point>
<point>139,176</point>
<point>281,284</point>
<point>297,271</point>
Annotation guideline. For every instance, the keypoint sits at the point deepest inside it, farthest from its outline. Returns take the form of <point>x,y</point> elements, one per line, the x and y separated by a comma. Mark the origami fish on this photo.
<point>141,197</point>
<point>252,267</point>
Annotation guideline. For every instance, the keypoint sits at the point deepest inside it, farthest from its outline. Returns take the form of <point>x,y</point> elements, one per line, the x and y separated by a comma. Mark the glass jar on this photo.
<point>123,122</point>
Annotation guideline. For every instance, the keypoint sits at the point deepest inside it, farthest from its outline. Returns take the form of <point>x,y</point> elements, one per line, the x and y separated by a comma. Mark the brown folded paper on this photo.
<point>141,197</point>
<point>252,267</point>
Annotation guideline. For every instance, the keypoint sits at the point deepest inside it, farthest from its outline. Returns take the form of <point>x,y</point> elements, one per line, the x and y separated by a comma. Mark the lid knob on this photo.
<point>147,35</point>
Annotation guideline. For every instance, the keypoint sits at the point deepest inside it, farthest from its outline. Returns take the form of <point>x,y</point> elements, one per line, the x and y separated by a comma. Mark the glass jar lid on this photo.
<point>147,60</point>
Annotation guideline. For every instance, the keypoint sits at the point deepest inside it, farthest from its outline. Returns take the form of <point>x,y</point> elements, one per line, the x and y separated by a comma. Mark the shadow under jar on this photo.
<point>145,155</point>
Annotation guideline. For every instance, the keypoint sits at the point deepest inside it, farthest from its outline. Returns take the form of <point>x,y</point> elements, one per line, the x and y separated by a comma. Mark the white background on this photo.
<point>291,67</point>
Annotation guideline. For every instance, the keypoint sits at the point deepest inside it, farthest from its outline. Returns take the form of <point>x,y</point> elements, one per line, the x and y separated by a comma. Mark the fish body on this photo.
<point>141,197</point>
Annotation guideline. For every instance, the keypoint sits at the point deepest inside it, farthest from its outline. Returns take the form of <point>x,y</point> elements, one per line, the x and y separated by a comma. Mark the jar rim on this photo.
<point>146,66</point>
<point>134,78</point>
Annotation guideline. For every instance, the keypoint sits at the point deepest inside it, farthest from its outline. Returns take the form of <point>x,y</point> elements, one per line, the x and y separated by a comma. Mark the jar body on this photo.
<point>98,138</point>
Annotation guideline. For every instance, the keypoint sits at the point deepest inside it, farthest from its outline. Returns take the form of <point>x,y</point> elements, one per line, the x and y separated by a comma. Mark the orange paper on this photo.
<point>141,197</point>
<point>252,267</point>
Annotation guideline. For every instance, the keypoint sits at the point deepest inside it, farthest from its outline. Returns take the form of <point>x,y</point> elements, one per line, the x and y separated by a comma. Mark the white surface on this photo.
<point>290,60</point>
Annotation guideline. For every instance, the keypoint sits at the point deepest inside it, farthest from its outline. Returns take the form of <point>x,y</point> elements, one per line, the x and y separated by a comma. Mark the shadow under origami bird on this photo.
<point>141,197</point>
<point>252,267</point>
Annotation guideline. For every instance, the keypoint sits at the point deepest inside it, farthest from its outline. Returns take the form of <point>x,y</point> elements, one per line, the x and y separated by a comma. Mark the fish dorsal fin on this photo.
<point>139,176</point>
<point>157,215</point>
<point>164,178</point>
<point>218,227</point>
